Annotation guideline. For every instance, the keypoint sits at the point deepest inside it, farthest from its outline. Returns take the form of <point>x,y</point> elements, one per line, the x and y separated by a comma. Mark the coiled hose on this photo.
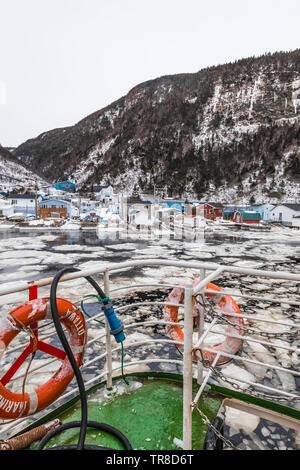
<point>83,424</point>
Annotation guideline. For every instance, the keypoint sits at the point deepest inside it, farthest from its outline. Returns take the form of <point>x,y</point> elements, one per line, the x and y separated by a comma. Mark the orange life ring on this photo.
<point>14,405</point>
<point>230,345</point>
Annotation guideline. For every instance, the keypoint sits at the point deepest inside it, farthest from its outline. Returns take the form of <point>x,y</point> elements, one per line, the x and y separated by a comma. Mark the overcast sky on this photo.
<point>61,60</point>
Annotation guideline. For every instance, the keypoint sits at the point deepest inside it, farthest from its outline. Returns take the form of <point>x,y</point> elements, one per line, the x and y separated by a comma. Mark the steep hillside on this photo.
<point>15,174</point>
<point>234,126</point>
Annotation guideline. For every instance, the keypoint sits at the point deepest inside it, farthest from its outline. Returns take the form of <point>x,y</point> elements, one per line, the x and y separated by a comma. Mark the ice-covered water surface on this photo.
<point>34,255</point>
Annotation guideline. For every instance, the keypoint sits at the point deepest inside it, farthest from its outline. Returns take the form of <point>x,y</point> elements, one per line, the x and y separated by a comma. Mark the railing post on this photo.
<point>200,333</point>
<point>108,337</point>
<point>188,367</point>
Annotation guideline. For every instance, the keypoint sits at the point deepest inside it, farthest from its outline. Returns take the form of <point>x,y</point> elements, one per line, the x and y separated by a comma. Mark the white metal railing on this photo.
<point>204,374</point>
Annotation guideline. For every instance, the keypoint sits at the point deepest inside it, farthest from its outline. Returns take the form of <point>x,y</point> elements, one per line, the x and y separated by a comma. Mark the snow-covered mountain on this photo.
<point>223,132</point>
<point>14,175</point>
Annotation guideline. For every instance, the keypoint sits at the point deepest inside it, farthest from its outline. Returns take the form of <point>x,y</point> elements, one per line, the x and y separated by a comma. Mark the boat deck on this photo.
<point>149,411</point>
<point>157,404</point>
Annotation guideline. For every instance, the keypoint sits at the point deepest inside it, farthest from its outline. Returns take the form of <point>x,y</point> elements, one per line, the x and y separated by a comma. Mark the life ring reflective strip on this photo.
<point>14,405</point>
<point>226,303</point>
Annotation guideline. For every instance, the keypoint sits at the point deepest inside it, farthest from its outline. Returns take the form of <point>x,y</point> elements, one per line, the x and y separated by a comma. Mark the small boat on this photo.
<point>194,395</point>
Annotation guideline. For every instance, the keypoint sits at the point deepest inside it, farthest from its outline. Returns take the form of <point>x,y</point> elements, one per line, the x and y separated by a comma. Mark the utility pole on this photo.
<point>79,203</point>
<point>36,205</point>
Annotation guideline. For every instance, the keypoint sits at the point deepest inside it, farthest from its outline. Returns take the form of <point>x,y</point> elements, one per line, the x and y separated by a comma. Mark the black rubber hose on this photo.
<point>91,424</point>
<point>96,286</point>
<point>83,423</point>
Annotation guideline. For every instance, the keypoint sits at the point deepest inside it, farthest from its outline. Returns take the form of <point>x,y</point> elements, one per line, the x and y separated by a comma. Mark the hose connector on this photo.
<point>116,326</point>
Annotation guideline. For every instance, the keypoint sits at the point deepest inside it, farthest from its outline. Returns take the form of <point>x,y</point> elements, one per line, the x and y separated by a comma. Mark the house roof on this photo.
<point>45,201</point>
<point>216,205</point>
<point>250,215</point>
<point>20,196</point>
<point>295,207</point>
<point>65,182</point>
<point>168,209</point>
<point>99,187</point>
<point>137,200</point>
<point>265,204</point>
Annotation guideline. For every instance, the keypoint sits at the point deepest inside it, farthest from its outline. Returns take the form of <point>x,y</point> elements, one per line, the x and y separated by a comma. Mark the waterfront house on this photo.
<point>210,210</point>
<point>246,217</point>
<point>23,203</point>
<point>55,208</point>
<point>135,211</point>
<point>285,213</point>
<point>88,206</point>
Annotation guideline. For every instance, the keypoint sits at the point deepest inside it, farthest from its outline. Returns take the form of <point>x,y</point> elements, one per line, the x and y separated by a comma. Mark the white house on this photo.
<point>139,217</point>
<point>89,205</point>
<point>84,206</point>
<point>285,213</point>
<point>104,193</point>
<point>23,203</point>
<point>165,214</point>
<point>137,212</point>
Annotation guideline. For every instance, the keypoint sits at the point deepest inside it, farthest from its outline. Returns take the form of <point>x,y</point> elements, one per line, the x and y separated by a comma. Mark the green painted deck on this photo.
<point>148,412</point>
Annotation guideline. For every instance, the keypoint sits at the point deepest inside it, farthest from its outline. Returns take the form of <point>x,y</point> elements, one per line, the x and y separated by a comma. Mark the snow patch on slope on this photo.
<point>94,158</point>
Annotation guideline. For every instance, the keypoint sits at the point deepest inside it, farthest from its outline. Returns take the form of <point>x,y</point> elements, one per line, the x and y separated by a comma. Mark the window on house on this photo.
<point>14,201</point>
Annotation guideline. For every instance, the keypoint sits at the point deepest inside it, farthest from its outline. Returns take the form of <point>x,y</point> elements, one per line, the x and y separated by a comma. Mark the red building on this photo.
<point>211,210</point>
<point>246,217</point>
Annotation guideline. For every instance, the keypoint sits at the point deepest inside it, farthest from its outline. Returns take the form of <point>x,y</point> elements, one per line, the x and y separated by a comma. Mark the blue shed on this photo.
<point>65,186</point>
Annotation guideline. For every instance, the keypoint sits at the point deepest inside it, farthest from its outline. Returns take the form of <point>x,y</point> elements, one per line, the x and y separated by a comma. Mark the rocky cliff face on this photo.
<point>227,130</point>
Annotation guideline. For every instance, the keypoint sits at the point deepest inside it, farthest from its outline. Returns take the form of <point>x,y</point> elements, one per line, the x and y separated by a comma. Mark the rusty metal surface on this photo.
<point>25,440</point>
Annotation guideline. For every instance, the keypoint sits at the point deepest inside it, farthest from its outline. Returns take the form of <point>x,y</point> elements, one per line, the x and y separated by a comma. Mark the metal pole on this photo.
<point>108,337</point>
<point>188,367</point>
<point>35,203</point>
<point>200,333</point>
<point>204,382</point>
